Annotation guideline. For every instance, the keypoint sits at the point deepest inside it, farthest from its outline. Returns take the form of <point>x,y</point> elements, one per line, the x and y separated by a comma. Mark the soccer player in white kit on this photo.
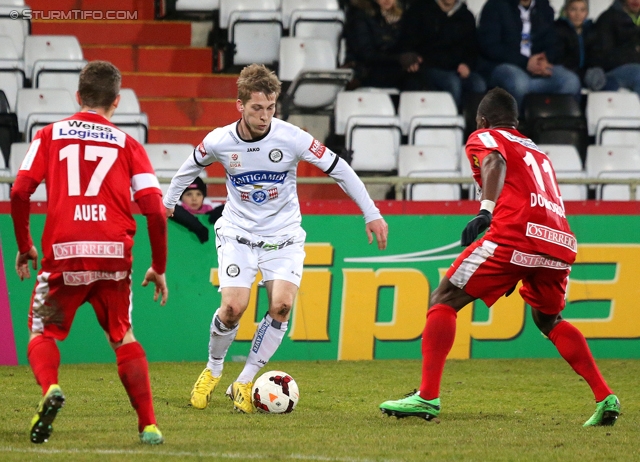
<point>260,228</point>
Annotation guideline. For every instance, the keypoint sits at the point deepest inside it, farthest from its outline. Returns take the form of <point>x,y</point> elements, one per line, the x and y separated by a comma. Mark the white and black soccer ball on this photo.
<point>275,392</point>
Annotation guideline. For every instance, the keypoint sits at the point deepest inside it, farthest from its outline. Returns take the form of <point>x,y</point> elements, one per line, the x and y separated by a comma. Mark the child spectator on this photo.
<point>193,202</point>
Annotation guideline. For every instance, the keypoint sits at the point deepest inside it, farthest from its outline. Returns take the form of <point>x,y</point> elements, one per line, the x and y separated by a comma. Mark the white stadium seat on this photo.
<point>353,103</point>
<point>53,53</point>
<point>374,142</point>
<point>429,161</point>
<point>254,28</point>
<point>11,71</point>
<point>610,104</point>
<point>37,107</point>
<point>167,159</point>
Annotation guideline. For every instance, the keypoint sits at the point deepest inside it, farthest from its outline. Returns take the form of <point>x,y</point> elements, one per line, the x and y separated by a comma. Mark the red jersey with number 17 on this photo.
<point>529,213</point>
<point>90,167</point>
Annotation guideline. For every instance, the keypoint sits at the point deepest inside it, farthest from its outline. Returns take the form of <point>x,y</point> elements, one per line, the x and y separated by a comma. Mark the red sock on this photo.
<point>437,340</point>
<point>44,358</point>
<point>134,374</point>
<point>573,347</point>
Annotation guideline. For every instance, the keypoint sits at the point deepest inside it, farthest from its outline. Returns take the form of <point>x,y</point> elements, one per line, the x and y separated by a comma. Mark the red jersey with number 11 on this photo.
<point>90,167</point>
<point>529,213</point>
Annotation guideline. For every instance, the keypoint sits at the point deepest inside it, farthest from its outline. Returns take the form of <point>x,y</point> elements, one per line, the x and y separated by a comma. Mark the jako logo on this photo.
<point>253,149</point>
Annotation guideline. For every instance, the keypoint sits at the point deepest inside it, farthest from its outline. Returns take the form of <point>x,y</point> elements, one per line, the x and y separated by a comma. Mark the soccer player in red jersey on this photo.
<point>529,240</point>
<point>90,168</point>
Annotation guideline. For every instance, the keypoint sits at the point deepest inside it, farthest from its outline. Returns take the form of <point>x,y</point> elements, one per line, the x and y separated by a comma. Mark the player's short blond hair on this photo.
<point>99,84</point>
<point>257,78</point>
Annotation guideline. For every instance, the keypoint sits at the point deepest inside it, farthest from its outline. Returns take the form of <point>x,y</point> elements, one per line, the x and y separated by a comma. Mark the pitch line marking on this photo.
<point>222,455</point>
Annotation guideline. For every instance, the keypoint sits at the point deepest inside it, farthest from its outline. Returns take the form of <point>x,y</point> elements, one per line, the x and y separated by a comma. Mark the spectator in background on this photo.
<point>617,48</point>
<point>575,38</point>
<point>517,40</point>
<point>439,47</point>
<point>193,202</point>
<point>372,32</point>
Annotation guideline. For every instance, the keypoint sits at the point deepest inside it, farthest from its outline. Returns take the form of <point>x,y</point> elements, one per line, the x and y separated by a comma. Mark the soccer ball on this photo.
<point>275,392</point>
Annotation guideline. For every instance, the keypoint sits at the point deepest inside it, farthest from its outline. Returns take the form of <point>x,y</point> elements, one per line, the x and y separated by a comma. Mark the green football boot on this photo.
<point>151,434</point>
<point>48,409</point>
<point>412,405</point>
<point>607,412</point>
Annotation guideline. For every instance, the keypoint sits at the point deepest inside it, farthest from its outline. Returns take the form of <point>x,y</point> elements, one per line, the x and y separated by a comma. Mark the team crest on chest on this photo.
<point>259,196</point>
<point>235,160</point>
<point>275,155</point>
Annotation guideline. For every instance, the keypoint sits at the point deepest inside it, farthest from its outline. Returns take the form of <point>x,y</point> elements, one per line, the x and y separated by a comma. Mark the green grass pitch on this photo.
<point>502,410</point>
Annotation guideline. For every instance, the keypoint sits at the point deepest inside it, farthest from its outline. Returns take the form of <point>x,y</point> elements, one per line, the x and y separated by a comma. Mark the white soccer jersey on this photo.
<point>261,176</point>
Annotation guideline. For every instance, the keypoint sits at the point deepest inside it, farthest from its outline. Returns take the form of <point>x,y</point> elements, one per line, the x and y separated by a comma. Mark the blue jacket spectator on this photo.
<point>517,42</point>
<point>439,38</point>
<point>618,43</point>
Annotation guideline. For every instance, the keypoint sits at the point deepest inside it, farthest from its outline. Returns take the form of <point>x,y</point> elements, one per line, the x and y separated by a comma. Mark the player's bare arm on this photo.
<point>160,285</point>
<point>380,229</point>
<point>22,263</point>
<point>169,211</point>
<point>493,171</point>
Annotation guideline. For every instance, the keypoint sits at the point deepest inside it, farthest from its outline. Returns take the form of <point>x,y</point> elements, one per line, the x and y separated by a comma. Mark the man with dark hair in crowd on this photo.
<point>439,45</point>
<point>617,48</point>
<point>517,39</point>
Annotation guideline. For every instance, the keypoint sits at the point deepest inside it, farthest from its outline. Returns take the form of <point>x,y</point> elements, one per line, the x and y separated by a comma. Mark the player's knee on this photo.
<point>545,322</point>
<point>230,313</point>
<point>280,310</point>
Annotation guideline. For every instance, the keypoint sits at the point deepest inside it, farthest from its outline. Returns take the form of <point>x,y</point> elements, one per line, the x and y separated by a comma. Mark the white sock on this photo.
<point>266,341</point>
<point>220,339</point>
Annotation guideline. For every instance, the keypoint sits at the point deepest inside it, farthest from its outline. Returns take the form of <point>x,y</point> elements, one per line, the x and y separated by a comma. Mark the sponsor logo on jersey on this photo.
<point>31,154</point>
<point>275,155</point>
<point>233,137</point>
<point>233,270</point>
<point>476,162</point>
<point>537,261</point>
<point>253,149</point>
<point>544,233</point>
<point>317,148</point>
<point>235,161</point>
<point>82,278</point>
<point>488,140</point>
<point>526,142</point>
<point>259,196</point>
<point>258,177</point>
<point>259,336</point>
<point>88,249</point>
<point>80,130</point>
<point>201,149</point>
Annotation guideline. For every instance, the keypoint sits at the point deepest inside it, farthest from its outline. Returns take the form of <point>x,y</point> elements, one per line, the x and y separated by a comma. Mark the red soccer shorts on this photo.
<point>486,270</point>
<point>57,296</point>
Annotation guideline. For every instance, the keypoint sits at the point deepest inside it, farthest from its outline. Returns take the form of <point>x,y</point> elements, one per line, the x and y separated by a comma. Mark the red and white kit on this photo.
<point>89,167</point>
<point>529,238</point>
